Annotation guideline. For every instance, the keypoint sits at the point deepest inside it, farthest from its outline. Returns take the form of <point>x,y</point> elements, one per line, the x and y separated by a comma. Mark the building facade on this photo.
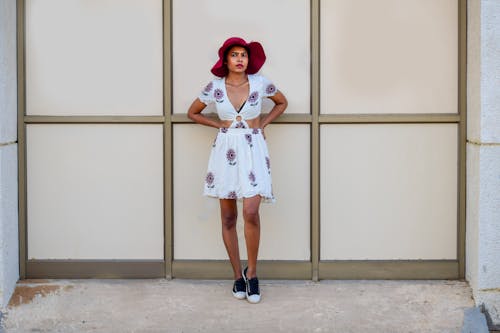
<point>385,165</point>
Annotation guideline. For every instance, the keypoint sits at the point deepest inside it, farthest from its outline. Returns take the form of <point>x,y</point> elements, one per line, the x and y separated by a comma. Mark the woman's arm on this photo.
<point>280,104</point>
<point>194,113</point>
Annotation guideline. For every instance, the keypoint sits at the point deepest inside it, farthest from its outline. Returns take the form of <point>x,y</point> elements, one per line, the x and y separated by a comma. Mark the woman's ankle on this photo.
<point>251,272</point>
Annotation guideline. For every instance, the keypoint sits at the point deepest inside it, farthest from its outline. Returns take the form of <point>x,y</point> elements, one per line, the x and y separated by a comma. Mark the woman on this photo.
<point>239,167</point>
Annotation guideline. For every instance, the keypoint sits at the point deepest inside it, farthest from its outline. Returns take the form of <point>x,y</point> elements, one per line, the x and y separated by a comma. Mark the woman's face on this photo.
<point>237,59</point>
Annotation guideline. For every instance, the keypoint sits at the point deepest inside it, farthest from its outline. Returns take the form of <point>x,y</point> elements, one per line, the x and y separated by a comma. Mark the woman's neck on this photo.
<point>236,78</point>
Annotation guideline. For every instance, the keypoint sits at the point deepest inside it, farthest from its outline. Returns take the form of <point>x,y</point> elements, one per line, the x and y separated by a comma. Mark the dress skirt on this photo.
<point>239,165</point>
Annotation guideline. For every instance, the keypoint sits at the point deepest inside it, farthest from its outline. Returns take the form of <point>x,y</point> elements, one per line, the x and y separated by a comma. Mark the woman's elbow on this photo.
<point>281,100</point>
<point>285,103</point>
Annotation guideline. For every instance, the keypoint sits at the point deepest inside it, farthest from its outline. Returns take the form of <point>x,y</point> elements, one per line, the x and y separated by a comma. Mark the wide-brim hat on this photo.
<point>256,56</point>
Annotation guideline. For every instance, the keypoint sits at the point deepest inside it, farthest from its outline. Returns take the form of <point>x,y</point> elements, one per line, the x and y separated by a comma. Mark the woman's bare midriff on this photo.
<point>252,123</point>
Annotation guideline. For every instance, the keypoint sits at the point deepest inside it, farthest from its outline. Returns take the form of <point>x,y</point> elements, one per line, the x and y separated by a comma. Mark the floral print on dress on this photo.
<point>270,89</point>
<point>255,131</point>
<point>214,144</point>
<point>240,124</point>
<point>209,180</point>
<point>208,88</point>
<point>232,195</point>
<point>268,164</point>
<point>248,137</point>
<point>219,95</point>
<point>231,156</point>
<point>251,178</point>
<point>253,99</point>
<point>223,129</point>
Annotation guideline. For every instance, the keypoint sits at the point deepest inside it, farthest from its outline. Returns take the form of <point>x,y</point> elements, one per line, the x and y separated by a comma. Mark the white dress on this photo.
<point>239,165</point>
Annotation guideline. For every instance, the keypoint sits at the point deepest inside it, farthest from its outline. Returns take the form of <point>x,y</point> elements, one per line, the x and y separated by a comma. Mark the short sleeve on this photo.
<point>207,94</point>
<point>268,88</point>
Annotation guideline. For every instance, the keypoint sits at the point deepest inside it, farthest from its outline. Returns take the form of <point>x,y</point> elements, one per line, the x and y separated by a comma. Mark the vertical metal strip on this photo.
<point>21,142</point>
<point>462,136</point>
<point>167,132</point>
<point>315,172</point>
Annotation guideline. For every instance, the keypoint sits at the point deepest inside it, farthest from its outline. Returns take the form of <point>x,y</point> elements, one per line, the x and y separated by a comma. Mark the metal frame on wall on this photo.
<point>314,269</point>
<point>91,268</point>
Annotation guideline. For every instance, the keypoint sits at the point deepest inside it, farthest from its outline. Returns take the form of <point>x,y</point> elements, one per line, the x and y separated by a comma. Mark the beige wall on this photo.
<point>95,191</point>
<point>94,57</point>
<point>388,191</point>
<point>389,56</point>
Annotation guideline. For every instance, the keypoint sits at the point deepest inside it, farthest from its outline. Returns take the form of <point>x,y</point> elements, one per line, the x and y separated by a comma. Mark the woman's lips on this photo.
<point>239,66</point>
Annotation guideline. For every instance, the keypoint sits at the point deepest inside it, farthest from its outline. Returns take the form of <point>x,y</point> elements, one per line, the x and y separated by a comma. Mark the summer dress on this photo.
<point>239,165</point>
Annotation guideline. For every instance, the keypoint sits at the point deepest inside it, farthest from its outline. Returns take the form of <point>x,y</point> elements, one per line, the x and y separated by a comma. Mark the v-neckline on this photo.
<point>246,99</point>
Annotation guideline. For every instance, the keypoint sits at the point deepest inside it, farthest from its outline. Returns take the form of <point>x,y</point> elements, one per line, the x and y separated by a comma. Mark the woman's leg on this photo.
<point>229,215</point>
<point>252,232</point>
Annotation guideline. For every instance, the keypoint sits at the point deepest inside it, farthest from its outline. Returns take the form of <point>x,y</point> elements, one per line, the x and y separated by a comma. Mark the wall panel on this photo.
<point>389,191</point>
<point>95,191</point>
<point>94,57</point>
<point>389,56</point>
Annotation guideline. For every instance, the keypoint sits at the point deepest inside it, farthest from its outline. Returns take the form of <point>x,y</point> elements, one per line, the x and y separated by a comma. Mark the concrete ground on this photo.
<point>161,305</point>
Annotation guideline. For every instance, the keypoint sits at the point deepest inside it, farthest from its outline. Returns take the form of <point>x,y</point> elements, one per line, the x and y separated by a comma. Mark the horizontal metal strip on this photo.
<point>93,119</point>
<point>388,118</point>
<point>349,119</point>
<point>285,118</point>
<point>103,269</point>
<point>221,269</point>
<point>389,269</point>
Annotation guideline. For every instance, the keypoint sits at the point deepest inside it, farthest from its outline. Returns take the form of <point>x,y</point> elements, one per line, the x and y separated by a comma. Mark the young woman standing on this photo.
<point>239,165</point>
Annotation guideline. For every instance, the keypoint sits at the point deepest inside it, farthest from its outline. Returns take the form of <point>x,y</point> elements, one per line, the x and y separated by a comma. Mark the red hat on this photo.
<point>256,56</point>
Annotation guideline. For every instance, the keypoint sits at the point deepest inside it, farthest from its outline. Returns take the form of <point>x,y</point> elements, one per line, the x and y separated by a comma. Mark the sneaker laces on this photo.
<point>253,286</point>
<point>239,285</point>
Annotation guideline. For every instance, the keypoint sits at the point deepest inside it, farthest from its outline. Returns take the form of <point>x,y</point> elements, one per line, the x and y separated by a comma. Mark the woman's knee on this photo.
<point>229,219</point>
<point>251,215</point>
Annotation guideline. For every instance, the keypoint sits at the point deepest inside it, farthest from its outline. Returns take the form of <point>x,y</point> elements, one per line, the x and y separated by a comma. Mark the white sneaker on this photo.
<point>252,288</point>
<point>239,288</point>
